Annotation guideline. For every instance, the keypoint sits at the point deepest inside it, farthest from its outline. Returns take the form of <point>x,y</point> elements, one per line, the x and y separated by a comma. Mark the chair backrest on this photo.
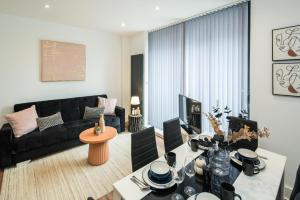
<point>235,124</point>
<point>296,189</point>
<point>172,134</point>
<point>143,148</point>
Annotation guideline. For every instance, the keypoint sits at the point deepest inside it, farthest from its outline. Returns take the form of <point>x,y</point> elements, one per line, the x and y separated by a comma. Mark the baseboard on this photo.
<point>287,192</point>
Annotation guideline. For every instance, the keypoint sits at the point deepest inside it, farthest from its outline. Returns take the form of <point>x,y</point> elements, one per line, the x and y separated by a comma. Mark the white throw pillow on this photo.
<point>108,104</point>
<point>23,122</point>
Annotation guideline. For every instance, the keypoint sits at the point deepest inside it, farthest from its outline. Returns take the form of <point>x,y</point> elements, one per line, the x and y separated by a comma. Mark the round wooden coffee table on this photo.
<point>98,147</point>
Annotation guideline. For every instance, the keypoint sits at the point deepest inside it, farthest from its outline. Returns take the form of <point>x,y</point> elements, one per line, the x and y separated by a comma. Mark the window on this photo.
<point>206,58</point>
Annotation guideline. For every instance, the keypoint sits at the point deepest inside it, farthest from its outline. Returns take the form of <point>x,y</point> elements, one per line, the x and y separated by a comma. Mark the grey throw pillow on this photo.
<point>50,121</point>
<point>91,113</point>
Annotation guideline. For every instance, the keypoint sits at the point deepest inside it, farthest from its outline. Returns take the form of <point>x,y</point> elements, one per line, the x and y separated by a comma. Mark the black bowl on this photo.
<point>160,179</point>
<point>241,158</point>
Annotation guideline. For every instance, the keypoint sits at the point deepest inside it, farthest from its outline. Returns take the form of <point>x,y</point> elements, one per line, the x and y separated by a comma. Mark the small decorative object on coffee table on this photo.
<point>97,129</point>
<point>134,123</point>
<point>102,123</point>
<point>98,146</point>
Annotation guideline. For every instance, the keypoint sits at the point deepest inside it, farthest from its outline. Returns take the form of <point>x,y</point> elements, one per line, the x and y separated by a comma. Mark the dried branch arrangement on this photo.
<point>242,134</point>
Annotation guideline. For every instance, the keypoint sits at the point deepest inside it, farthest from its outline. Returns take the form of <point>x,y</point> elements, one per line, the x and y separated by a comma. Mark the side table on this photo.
<point>135,123</point>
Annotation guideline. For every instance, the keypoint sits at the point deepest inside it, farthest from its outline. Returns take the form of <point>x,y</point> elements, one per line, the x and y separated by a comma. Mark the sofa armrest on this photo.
<point>120,112</point>
<point>6,140</point>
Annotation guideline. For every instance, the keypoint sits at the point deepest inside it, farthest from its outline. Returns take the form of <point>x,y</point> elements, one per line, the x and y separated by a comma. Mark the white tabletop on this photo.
<point>262,186</point>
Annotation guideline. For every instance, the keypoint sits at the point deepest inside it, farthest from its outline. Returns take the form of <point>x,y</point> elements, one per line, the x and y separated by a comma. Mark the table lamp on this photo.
<point>135,101</point>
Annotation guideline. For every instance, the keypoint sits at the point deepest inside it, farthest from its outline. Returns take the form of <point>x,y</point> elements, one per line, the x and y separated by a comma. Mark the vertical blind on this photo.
<point>212,64</point>
<point>216,59</point>
<point>165,81</point>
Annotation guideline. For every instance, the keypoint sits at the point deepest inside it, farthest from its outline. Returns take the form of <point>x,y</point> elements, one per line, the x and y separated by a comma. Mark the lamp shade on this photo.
<point>135,100</point>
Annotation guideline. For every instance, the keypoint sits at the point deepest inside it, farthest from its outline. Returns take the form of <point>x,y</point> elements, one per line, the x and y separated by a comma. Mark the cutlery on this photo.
<point>263,157</point>
<point>140,181</point>
<point>141,186</point>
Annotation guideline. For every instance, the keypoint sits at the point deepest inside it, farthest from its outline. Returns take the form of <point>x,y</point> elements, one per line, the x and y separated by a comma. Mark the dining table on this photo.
<point>267,185</point>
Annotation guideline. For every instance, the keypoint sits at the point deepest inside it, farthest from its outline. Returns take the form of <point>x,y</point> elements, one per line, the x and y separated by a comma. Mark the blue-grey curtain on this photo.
<point>205,58</point>
<point>165,57</point>
<point>216,60</point>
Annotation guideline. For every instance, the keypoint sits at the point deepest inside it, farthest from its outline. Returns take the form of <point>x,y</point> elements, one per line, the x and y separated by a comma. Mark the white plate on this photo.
<point>204,196</point>
<point>247,153</point>
<point>160,167</point>
<point>261,165</point>
<point>155,185</point>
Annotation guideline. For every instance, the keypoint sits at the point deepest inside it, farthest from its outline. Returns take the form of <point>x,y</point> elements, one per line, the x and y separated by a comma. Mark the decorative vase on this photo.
<point>102,123</point>
<point>138,111</point>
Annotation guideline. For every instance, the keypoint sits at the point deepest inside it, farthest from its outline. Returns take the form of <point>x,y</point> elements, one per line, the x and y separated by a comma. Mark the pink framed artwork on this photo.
<point>62,61</point>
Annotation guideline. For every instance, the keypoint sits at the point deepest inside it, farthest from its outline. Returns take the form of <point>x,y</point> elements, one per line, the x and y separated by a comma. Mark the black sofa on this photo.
<point>36,144</point>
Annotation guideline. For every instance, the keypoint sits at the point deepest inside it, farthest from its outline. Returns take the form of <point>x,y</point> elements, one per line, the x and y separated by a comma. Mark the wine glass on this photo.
<point>178,171</point>
<point>189,169</point>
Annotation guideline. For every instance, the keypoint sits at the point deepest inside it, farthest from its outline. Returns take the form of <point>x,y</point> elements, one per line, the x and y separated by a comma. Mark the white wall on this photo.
<point>131,45</point>
<point>279,113</point>
<point>20,62</point>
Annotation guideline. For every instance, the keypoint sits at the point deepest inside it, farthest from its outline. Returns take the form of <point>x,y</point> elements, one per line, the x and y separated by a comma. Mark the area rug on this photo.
<point>67,175</point>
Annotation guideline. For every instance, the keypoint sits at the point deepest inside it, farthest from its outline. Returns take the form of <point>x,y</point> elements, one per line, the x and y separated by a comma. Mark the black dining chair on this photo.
<point>172,134</point>
<point>296,191</point>
<point>143,148</point>
<point>235,124</point>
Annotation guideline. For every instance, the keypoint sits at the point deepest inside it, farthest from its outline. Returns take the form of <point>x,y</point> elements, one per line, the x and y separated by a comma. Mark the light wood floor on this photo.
<point>109,196</point>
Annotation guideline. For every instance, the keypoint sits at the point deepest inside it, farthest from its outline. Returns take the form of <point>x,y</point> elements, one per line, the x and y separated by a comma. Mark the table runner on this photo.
<point>199,183</point>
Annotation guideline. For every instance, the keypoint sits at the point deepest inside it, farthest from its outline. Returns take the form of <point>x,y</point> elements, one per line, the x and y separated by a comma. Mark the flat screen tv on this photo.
<point>190,113</point>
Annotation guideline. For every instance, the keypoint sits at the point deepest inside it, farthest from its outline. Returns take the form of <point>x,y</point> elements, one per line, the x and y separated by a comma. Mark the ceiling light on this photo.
<point>47,6</point>
<point>123,24</point>
<point>157,8</point>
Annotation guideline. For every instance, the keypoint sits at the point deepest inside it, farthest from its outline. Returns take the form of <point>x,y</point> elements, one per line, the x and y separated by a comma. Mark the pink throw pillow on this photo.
<point>23,122</point>
<point>108,104</point>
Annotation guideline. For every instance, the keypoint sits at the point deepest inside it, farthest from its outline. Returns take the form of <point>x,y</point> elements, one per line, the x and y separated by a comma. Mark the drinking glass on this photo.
<point>229,136</point>
<point>178,171</point>
<point>189,171</point>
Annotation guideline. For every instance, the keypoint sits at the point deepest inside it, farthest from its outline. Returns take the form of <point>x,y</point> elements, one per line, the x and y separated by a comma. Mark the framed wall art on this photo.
<point>286,79</point>
<point>62,61</point>
<point>286,43</point>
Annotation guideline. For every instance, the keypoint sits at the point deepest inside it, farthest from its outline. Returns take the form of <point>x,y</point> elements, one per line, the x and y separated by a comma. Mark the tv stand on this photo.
<point>188,129</point>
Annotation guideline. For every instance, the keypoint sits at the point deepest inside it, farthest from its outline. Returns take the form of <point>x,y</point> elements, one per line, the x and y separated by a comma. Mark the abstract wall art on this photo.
<point>286,43</point>
<point>62,61</point>
<point>286,79</point>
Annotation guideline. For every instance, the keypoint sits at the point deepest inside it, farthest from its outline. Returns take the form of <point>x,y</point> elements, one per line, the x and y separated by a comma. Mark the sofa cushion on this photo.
<point>70,110</point>
<point>112,120</point>
<point>23,122</point>
<point>46,108</point>
<point>54,135</point>
<point>50,121</point>
<point>108,104</point>
<point>91,113</point>
<point>27,142</point>
<point>74,128</point>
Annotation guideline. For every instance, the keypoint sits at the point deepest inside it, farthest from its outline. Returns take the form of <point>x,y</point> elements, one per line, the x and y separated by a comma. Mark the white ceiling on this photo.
<point>107,15</point>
